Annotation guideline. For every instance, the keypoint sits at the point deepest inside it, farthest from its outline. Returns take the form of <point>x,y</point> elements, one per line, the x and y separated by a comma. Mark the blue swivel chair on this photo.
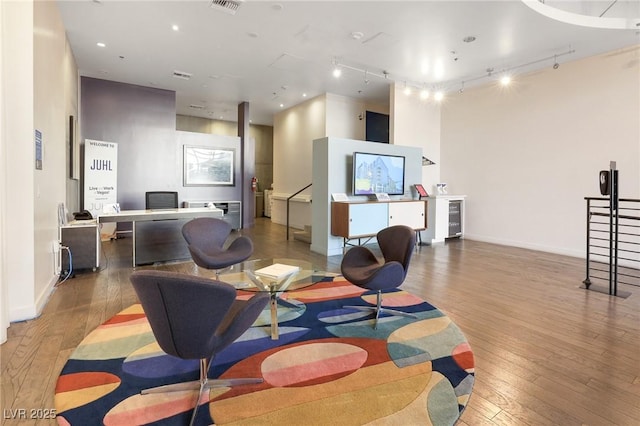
<point>206,238</point>
<point>361,267</point>
<point>195,318</point>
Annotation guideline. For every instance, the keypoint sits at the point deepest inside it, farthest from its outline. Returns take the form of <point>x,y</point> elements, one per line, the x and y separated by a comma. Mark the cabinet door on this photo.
<point>367,218</point>
<point>411,213</point>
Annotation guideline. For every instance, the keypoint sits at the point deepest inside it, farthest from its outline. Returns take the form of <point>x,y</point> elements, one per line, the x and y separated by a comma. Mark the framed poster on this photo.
<point>207,166</point>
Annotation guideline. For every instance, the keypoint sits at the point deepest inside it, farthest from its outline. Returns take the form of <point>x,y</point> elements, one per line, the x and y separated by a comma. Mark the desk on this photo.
<point>159,237</point>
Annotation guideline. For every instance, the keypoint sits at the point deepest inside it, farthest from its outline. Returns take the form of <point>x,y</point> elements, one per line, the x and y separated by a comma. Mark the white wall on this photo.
<point>346,117</point>
<point>527,156</point>
<point>18,143</point>
<point>35,95</point>
<point>293,132</point>
<point>4,290</point>
<point>416,122</point>
<point>51,119</point>
<point>332,173</point>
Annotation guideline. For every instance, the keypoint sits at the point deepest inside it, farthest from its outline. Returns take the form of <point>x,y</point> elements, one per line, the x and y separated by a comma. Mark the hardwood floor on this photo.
<point>547,352</point>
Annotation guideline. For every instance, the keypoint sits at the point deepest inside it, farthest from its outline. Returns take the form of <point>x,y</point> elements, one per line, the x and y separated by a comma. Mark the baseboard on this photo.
<point>525,245</point>
<point>29,312</point>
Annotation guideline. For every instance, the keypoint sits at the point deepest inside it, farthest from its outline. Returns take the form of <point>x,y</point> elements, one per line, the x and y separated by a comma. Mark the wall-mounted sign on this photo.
<point>38,150</point>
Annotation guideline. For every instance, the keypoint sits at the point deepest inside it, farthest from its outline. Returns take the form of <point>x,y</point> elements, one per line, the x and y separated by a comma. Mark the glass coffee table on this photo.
<point>274,276</point>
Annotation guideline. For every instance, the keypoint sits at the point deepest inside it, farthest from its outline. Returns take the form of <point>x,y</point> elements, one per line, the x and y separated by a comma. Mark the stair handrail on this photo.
<point>289,199</point>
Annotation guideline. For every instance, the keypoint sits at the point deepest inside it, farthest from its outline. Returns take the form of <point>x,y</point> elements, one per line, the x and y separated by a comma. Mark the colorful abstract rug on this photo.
<point>329,366</point>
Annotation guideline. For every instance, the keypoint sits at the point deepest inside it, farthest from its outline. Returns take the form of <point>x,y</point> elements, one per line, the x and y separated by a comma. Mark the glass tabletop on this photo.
<point>272,275</point>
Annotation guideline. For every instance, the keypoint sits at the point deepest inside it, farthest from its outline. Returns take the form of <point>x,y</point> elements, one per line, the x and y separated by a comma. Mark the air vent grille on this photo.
<point>196,106</point>
<point>181,74</point>
<point>229,6</point>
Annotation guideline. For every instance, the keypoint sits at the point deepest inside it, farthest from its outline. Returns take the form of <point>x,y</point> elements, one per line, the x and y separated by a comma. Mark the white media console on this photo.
<point>355,220</point>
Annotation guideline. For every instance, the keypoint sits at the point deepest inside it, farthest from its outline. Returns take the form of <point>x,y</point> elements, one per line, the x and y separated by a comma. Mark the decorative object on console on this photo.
<point>442,188</point>
<point>420,190</point>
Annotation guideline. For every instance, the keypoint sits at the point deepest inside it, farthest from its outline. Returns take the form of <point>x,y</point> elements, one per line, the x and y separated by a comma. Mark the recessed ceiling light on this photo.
<point>505,80</point>
<point>252,35</point>
<point>100,44</point>
<point>438,96</point>
<point>304,95</point>
<point>337,72</point>
<point>357,35</point>
<point>281,105</point>
<point>174,27</point>
<point>469,39</point>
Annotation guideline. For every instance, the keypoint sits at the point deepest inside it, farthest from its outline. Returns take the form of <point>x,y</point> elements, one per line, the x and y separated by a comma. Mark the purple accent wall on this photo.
<point>142,121</point>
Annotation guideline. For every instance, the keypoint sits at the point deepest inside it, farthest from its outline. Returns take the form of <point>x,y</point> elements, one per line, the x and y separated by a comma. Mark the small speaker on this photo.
<point>605,182</point>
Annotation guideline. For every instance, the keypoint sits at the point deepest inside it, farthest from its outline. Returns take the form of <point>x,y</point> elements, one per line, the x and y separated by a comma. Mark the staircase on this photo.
<point>303,235</point>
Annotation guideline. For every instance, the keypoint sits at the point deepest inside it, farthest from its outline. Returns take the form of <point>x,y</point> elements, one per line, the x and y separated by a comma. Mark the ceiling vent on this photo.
<point>228,6</point>
<point>196,106</point>
<point>181,74</point>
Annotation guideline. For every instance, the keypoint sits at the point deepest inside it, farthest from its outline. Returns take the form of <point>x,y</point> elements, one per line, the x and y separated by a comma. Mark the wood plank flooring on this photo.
<point>547,352</point>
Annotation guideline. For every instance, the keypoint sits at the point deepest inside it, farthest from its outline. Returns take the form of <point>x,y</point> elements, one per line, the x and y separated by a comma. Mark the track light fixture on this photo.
<point>410,86</point>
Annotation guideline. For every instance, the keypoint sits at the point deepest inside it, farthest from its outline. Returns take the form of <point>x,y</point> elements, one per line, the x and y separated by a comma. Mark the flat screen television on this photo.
<point>375,173</point>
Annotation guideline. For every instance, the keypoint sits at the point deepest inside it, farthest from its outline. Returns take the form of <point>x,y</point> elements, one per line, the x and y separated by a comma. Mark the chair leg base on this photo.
<point>378,311</point>
<point>195,385</point>
<point>203,385</point>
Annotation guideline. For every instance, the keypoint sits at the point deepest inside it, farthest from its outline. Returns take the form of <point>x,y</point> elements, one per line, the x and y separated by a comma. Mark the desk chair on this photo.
<point>156,200</point>
<point>195,318</point>
<point>206,237</point>
<point>362,268</point>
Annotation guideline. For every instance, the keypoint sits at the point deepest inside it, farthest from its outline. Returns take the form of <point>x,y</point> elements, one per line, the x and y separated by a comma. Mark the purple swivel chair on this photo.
<point>361,267</point>
<point>195,318</point>
<point>206,238</point>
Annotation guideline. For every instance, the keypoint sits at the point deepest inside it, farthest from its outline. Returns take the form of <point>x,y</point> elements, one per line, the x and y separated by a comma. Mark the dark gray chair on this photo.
<point>206,238</point>
<point>361,267</point>
<point>195,318</point>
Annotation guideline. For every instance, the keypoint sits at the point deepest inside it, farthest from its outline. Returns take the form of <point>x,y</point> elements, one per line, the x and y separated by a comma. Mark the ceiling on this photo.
<point>274,54</point>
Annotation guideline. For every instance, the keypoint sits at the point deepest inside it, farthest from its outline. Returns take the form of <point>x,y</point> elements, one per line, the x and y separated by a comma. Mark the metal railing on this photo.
<point>613,242</point>
<point>288,200</point>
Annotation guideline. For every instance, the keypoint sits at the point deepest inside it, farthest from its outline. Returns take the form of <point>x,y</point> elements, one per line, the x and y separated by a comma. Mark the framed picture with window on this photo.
<point>208,166</point>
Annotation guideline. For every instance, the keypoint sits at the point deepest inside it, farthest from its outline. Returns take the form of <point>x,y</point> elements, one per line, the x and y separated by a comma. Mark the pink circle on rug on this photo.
<point>312,364</point>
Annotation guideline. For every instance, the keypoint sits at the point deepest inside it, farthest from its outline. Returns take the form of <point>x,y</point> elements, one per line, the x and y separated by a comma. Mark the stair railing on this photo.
<point>288,200</point>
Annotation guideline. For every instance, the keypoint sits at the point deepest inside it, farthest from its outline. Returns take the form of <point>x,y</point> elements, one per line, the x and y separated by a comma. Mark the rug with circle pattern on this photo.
<point>329,366</point>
